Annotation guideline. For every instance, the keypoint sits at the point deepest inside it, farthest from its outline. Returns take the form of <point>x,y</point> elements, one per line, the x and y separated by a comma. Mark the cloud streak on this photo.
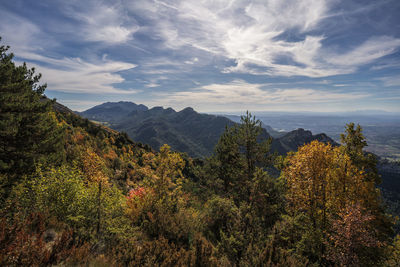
<point>79,76</point>
<point>252,33</point>
<point>102,23</point>
<point>73,75</point>
<point>241,93</point>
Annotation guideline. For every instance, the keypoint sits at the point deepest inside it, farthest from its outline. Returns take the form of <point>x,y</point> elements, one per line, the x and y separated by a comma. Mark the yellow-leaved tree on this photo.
<point>159,205</point>
<point>321,180</point>
<point>324,183</point>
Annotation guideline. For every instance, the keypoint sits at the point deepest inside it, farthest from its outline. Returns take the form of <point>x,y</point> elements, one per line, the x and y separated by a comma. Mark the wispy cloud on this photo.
<point>386,65</point>
<point>102,23</point>
<point>84,77</point>
<point>152,85</point>
<point>252,34</point>
<point>372,49</point>
<point>239,92</point>
<point>64,74</point>
<point>391,80</point>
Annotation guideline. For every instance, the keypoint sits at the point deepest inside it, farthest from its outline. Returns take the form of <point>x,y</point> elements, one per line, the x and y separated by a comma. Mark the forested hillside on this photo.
<point>73,192</point>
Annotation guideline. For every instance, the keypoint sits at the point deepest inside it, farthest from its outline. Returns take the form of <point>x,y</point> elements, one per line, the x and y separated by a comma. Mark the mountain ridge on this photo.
<point>186,130</point>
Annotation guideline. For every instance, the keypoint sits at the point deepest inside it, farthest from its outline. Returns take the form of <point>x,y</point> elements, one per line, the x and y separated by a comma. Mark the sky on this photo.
<point>214,56</point>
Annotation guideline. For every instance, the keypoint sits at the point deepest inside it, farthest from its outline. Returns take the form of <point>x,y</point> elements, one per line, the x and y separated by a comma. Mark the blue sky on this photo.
<point>271,55</point>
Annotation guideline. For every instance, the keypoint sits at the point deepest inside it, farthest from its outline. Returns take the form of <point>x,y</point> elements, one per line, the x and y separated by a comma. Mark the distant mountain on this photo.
<point>112,111</point>
<point>274,133</point>
<point>186,130</point>
<point>294,139</point>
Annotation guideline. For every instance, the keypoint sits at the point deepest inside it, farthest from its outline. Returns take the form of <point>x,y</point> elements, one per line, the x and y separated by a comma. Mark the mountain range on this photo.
<point>187,130</point>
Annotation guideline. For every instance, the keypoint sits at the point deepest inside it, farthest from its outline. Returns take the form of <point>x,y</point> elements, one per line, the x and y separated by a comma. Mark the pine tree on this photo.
<point>353,143</point>
<point>29,133</point>
<point>254,149</point>
<point>240,150</point>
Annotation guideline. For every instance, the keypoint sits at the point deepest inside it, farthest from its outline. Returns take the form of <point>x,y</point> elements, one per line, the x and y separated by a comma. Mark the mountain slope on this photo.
<point>294,139</point>
<point>186,130</point>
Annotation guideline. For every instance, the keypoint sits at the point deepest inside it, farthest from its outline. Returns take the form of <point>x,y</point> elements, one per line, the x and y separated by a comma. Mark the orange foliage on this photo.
<point>78,137</point>
<point>93,166</point>
<point>110,155</point>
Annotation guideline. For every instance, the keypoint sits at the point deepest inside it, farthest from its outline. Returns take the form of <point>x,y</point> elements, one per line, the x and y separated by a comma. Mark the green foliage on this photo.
<point>353,143</point>
<point>239,151</point>
<point>266,198</point>
<point>247,200</point>
<point>64,193</point>
<point>29,133</point>
<point>220,216</point>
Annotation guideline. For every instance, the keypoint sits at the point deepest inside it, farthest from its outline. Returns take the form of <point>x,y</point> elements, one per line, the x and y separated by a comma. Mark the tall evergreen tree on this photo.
<point>252,145</point>
<point>240,150</point>
<point>353,143</point>
<point>29,133</point>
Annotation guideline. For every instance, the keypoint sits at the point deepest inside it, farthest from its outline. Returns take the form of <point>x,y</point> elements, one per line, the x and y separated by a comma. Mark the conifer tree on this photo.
<point>353,143</point>
<point>29,133</point>
<point>255,150</point>
<point>239,151</point>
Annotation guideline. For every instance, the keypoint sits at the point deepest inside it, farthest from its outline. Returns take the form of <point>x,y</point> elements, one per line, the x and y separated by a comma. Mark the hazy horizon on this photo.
<point>366,112</point>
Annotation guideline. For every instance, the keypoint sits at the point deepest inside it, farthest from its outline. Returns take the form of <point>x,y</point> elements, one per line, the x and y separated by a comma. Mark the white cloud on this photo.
<point>250,33</point>
<point>370,50</point>
<point>192,61</point>
<point>239,92</point>
<point>78,76</point>
<point>385,66</point>
<point>103,23</point>
<point>391,80</point>
<point>75,75</point>
<point>66,74</point>
<point>152,85</point>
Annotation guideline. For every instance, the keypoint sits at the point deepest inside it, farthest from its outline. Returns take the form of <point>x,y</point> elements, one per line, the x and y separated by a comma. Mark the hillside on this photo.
<point>116,202</point>
<point>294,139</point>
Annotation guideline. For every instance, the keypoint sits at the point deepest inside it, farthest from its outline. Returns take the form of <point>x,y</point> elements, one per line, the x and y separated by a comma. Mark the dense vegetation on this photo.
<point>76,193</point>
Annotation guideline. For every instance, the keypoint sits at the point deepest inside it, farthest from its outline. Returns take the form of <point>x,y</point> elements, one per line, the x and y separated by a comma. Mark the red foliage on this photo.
<point>139,192</point>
